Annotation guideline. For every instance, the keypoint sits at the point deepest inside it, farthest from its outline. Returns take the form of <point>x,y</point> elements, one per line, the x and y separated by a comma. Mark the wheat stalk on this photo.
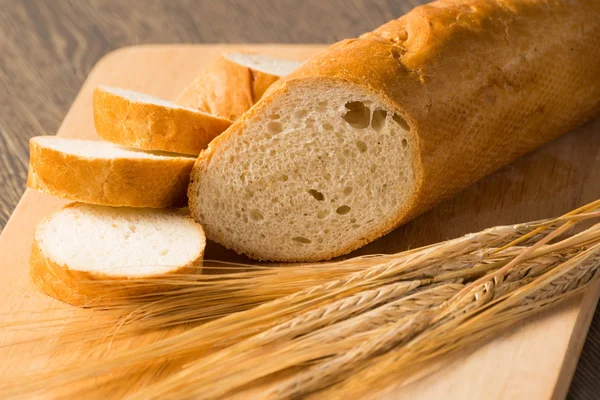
<point>235,371</point>
<point>562,282</point>
<point>260,360</point>
<point>388,336</point>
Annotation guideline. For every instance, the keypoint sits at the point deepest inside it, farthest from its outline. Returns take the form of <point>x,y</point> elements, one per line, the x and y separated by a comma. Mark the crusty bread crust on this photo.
<point>152,126</point>
<point>83,288</point>
<point>479,83</point>
<point>133,182</point>
<point>226,89</point>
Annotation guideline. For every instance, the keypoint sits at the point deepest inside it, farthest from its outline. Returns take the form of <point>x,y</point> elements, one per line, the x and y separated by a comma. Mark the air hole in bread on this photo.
<point>231,159</point>
<point>284,178</point>
<point>378,120</point>
<point>404,143</point>
<point>347,190</point>
<point>302,240</point>
<point>362,146</point>
<point>322,214</point>
<point>327,126</point>
<point>164,252</point>
<point>316,194</point>
<point>396,53</point>
<point>358,115</point>
<point>274,127</point>
<point>256,215</point>
<point>327,176</point>
<point>310,122</point>
<point>274,116</point>
<point>132,228</point>
<point>248,194</point>
<point>326,231</point>
<point>373,168</point>
<point>401,121</point>
<point>343,210</point>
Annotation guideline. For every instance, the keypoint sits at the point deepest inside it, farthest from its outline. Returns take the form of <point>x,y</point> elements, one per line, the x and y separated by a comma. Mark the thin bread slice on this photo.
<point>376,130</point>
<point>234,82</point>
<point>104,173</point>
<point>85,251</point>
<point>145,122</point>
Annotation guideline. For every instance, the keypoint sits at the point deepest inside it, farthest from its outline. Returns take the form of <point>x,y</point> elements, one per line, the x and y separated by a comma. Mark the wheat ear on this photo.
<point>562,282</point>
<point>388,336</point>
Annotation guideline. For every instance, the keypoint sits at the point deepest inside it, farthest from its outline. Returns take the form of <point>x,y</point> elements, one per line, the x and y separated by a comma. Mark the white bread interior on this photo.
<point>324,167</point>
<point>82,243</point>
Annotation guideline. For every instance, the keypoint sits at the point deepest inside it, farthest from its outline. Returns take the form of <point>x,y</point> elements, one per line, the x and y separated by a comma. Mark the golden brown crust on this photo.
<point>83,288</point>
<point>133,182</point>
<point>154,127</point>
<point>226,89</point>
<point>479,83</point>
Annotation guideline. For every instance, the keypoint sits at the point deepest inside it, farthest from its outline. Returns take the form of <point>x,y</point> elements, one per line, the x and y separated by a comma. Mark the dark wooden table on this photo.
<point>47,48</point>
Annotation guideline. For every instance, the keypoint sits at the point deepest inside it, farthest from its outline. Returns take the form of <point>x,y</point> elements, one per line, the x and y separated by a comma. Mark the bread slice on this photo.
<point>374,131</point>
<point>100,172</point>
<point>234,82</point>
<point>149,123</point>
<point>84,251</point>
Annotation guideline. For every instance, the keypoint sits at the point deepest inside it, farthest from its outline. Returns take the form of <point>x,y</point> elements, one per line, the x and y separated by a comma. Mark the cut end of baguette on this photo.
<point>146,122</point>
<point>103,173</point>
<point>313,173</point>
<point>269,65</point>
<point>82,243</point>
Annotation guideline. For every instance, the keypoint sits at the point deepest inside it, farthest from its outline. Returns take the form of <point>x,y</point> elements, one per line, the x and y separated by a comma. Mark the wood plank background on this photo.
<point>47,48</point>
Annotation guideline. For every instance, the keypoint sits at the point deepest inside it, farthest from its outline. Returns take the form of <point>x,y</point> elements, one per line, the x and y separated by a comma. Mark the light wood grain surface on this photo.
<point>49,47</point>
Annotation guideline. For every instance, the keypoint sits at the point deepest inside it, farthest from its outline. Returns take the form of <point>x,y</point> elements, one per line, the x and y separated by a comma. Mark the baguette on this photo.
<point>233,83</point>
<point>107,174</point>
<point>149,123</point>
<point>376,130</point>
<point>82,251</point>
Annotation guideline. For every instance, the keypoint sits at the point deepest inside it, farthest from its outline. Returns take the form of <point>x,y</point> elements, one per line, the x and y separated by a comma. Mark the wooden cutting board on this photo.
<point>534,360</point>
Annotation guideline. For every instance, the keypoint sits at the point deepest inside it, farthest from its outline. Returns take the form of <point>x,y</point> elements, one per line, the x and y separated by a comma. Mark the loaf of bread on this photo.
<point>103,173</point>
<point>233,83</point>
<point>376,130</point>
<point>83,251</point>
<point>149,123</point>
